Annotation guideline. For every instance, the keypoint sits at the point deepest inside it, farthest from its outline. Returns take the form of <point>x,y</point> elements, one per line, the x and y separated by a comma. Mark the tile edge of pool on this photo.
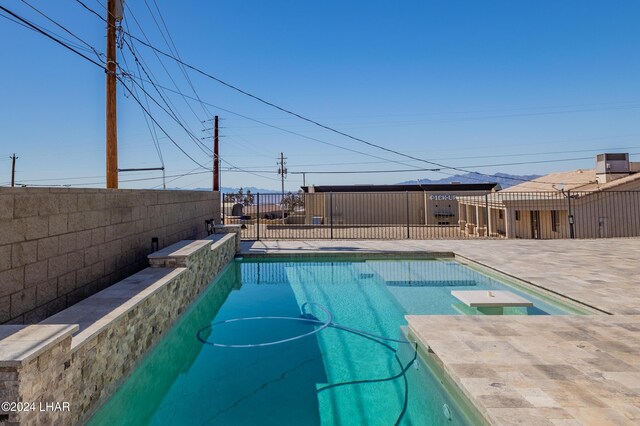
<point>436,367</point>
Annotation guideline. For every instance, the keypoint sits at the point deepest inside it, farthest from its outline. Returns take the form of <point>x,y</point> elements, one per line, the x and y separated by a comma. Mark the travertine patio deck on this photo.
<point>541,370</point>
<point>574,370</point>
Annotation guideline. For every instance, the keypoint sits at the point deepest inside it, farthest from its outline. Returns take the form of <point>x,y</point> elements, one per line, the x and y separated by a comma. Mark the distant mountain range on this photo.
<point>226,189</point>
<point>253,190</point>
<point>504,179</point>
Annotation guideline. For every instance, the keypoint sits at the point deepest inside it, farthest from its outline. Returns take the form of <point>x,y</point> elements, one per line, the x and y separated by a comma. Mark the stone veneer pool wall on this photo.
<point>82,354</point>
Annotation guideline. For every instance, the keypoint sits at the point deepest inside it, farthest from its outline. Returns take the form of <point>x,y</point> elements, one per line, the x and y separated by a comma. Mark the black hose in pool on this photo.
<point>310,319</point>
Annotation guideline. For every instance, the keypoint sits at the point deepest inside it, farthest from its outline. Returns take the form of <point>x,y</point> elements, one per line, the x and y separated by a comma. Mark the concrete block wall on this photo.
<point>59,246</point>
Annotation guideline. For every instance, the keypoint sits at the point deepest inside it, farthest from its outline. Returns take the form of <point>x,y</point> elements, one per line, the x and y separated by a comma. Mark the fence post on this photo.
<point>222,197</point>
<point>331,212</point>
<point>407,198</point>
<point>258,217</point>
<point>487,218</point>
<point>571,219</point>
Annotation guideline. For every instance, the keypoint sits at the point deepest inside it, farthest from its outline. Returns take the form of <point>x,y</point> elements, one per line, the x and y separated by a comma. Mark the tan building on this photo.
<point>597,203</point>
<point>427,204</point>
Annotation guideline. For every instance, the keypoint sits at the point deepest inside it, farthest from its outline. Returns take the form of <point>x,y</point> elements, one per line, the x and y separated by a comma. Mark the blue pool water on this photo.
<point>331,377</point>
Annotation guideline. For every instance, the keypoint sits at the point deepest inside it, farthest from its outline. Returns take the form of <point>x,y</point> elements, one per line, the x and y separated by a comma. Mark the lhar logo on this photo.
<point>448,197</point>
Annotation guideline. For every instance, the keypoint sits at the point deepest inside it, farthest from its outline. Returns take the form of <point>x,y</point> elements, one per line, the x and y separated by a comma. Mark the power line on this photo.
<point>44,33</point>
<point>32,26</point>
<point>374,156</point>
<point>169,111</point>
<point>493,110</point>
<point>437,170</point>
<point>101,66</point>
<point>93,11</point>
<point>156,122</point>
<point>161,52</point>
<point>130,13</point>
<point>150,126</point>
<point>175,50</point>
<point>398,123</point>
<point>292,132</point>
<point>65,29</point>
<point>295,114</point>
<point>192,172</point>
<point>246,171</point>
<point>176,178</point>
<point>440,166</point>
<point>71,43</point>
<point>316,123</point>
<point>466,158</point>
<point>179,123</point>
<point>532,114</point>
<point>173,114</point>
<point>125,180</point>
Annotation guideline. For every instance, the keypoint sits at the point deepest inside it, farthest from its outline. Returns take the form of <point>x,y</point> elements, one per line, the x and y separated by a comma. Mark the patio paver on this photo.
<point>541,370</point>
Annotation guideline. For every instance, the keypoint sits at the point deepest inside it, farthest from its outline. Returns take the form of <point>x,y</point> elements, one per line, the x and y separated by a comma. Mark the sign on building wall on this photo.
<point>443,197</point>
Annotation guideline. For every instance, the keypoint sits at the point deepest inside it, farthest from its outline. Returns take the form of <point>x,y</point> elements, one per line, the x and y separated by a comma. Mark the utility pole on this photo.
<point>13,169</point>
<point>216,158</point>
<point>282,171</point>
<point>114,14</point>
<point>216,151</point>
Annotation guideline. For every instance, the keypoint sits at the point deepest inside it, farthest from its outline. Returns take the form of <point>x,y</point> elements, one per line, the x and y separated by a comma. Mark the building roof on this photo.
<point>554,182</point>
<point>433,187</point>
<point>549,188</point>
<point>575,180</point>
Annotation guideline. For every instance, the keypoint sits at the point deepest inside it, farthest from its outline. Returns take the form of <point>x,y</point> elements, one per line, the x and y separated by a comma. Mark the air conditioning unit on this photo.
<point>612,163</point>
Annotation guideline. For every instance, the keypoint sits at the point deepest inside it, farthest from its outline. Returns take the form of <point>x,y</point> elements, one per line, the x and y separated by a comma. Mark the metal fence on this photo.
<point>434,215</point>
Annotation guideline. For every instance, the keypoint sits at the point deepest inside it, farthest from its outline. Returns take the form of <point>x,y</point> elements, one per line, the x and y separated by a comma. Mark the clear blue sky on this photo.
<point>445,80</point>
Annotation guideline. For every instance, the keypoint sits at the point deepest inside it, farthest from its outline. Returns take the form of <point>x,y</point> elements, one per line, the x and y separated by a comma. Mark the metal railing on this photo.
<point>434,215</point>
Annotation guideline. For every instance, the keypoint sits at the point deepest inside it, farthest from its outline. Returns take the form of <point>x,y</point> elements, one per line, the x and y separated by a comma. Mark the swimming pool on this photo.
<point>338,375</point>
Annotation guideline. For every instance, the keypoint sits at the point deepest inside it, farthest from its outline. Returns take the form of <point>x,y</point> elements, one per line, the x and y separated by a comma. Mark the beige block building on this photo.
<point>428,204</point>
<point>599,203</point>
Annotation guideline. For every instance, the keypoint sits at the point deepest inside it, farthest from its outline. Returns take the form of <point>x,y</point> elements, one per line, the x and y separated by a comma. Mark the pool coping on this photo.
<point>437,368</point>
<point>23,343</point>
<point>331,254</point>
